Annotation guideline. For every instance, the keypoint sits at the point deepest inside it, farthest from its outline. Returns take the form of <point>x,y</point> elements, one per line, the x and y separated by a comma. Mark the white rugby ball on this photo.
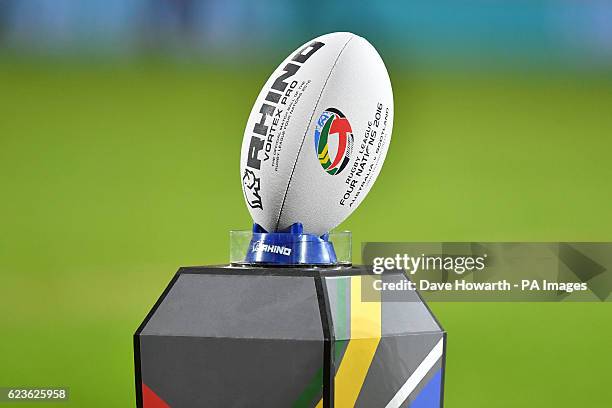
<point>318,134</point>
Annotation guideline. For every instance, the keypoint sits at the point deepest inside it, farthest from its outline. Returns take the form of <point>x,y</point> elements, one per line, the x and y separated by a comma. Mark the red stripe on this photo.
<point>342,127</point>
<point>151,400</point>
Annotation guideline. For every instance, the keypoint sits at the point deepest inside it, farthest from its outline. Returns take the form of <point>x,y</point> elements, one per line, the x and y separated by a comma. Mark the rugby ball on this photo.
<point>318,134</point>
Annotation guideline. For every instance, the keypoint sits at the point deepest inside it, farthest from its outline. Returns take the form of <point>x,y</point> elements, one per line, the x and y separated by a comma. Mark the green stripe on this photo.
<point>313,392</point>
<point>341,324</point>
<point>325,134</point>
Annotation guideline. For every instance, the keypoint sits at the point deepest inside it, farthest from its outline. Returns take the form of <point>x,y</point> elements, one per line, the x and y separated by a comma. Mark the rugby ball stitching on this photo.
<point>314,111</point>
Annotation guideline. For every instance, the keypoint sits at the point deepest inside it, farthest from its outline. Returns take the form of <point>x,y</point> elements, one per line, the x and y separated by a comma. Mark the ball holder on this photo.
<point>288,323</point>
<point>290,247</point>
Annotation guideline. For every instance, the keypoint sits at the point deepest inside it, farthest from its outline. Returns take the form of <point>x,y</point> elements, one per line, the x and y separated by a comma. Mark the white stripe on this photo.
<point>417,376</point>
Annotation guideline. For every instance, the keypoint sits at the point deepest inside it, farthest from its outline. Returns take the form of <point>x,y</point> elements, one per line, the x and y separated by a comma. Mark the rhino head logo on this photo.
<point>251,186</point>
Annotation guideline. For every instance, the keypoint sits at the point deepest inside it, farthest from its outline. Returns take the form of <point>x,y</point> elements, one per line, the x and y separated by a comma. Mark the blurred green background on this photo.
<point>115,171</point>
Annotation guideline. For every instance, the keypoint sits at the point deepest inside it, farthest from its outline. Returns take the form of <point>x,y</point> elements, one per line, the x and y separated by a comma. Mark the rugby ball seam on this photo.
<point>316,105</point>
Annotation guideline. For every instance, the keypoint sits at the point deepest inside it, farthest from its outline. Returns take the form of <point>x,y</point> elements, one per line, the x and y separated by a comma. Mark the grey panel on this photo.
<point>248,306</point>
<point>395,360</point>
<point>206,372</point>
<point>403,312</point>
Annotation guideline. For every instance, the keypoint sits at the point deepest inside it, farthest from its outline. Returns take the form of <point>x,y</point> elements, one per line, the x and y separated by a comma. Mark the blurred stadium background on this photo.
<point>120,129</point>
<point>476,32</point>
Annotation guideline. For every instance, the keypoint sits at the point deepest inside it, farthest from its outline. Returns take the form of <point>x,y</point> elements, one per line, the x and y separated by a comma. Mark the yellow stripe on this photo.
<point>365,336</point>
<point>320,404</point>
<point>324,152</point>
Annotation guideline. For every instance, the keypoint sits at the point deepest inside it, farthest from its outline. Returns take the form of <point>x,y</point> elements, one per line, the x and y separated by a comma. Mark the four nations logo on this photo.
<point>333,140</point>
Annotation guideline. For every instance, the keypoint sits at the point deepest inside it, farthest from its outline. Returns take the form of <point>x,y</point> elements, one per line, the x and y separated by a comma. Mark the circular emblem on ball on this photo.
<point>333,141</point>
